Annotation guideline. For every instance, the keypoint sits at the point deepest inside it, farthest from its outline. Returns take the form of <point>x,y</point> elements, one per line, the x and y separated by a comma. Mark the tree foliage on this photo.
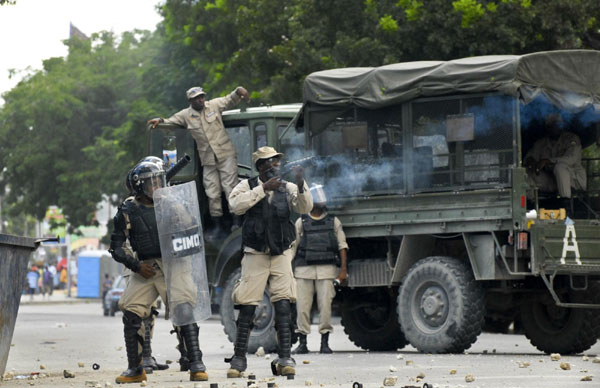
<point>69,132</point>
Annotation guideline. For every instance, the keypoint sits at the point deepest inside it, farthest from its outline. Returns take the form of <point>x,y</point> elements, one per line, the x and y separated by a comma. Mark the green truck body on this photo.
<point>423,164</point>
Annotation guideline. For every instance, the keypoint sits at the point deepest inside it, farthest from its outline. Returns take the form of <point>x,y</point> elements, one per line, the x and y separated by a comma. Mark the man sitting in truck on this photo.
<point>554,162</point>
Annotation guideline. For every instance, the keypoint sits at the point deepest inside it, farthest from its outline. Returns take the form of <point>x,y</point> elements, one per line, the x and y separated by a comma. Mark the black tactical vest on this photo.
<point>318,244</point>
<point>143,234</point>
<point>268,224</point>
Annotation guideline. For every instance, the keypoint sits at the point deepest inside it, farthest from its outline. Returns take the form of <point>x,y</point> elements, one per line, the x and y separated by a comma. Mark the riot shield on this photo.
<point>182,249</point>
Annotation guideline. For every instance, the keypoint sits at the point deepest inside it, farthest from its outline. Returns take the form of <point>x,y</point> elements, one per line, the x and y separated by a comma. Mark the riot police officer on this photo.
<point>135,222</point>
<point>267,237</point>
<point>321,255</point>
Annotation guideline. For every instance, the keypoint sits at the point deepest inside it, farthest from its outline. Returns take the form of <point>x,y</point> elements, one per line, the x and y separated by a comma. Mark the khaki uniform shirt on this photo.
<point>242,199</point>
<point>207,128</point>
<point>321,271</point>
<point>566,149</point>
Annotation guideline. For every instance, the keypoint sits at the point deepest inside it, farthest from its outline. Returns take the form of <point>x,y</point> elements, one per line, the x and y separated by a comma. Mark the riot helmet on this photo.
<point>318,195</point>
<point>145,177</point>
<point>154,159</point>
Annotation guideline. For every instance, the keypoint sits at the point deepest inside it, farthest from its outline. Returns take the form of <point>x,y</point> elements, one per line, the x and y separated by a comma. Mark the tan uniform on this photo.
<point>260,268</point>
<point>217,153</point>
<point>565,153</point>
<point>319,279</point>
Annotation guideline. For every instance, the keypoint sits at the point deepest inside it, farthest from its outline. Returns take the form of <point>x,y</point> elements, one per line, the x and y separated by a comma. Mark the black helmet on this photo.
<point>146,176</point>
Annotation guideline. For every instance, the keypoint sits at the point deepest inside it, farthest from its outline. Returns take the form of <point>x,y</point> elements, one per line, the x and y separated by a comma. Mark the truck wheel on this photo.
<point>441,306</point>
<point>263,334</point>
<point>371,323</point>
<point>554,329</point>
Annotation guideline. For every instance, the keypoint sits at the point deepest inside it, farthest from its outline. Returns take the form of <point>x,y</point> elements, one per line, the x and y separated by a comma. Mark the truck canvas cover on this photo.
<point>569,79</point>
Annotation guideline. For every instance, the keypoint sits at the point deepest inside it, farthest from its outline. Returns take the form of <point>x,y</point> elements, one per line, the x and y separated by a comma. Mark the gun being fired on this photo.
<point>289,167</point>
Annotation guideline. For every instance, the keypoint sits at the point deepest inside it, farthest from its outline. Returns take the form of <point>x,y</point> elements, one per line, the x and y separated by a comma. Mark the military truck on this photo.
<point>423,164</point>
<point>248,129</point>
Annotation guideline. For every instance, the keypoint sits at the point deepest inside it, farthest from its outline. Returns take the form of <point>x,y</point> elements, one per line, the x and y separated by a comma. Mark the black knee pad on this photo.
<point>184,312</point>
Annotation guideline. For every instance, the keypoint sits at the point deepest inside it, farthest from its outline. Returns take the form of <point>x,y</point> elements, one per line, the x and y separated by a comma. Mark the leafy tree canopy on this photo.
<point>70,131</point>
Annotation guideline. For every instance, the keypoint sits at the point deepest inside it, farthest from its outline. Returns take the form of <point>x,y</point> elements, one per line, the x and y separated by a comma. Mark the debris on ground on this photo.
<point>306,362</point>
<point>586,378</point>
<point>523,364</point>
<point>8,376</point>
<point>308,383</point>
<point>469,378</point>
<point>452,371</point>
<point>91,383</point>
<point>596,360</point>
<point>585,358</point>
<point>260,352</point>
<point>565,366</point>
<point>409,362</point>
<point>399,357</point>
<point>81,364</point>
<point>68,374</point>
<point>143,383</point>
<point>42,366</point>
<point>168,362</point>
<point>393,368</point>
<point>555,356</point>
<point>390,381</point>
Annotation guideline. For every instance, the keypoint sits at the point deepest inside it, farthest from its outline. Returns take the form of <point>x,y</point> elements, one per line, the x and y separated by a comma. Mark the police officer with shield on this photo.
<point>136,223</point>
<point>267,238</point>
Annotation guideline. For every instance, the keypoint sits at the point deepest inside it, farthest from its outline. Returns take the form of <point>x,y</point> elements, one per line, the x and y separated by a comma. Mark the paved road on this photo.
<point>62,335</point>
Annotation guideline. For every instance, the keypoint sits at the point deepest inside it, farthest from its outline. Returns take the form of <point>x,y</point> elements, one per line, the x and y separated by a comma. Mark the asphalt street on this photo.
<point>50,338</point>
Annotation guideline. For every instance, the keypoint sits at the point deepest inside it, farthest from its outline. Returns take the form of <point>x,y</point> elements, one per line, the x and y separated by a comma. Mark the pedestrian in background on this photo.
<point>32,281</point>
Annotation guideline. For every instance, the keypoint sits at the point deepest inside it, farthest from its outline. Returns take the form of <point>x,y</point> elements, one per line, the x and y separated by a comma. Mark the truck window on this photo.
<point>170,144</point>
<point>260,136</point>
<point>240,137</point>
<point>462,142</point>
<point>363,150</point>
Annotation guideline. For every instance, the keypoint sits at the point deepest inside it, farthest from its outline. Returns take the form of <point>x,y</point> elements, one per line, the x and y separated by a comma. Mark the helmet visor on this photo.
<point>155,181</point>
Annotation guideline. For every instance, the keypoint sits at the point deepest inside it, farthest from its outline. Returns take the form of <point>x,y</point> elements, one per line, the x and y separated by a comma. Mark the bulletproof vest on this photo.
<point>143,234</point>
<point>268,224</point>
<point>318,244</point>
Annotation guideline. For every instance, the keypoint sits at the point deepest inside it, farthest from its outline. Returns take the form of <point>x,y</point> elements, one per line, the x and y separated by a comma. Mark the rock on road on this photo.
<point>65,336</point>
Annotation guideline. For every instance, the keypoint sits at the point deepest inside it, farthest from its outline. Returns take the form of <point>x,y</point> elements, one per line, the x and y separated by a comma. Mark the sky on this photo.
<point>33,30</point>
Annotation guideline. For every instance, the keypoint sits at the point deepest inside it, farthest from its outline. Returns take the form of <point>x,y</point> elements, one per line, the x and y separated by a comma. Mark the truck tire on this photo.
<point>371,322</point>
<point>263,334</point>
<point>554,329</point>
<point>441,306</point>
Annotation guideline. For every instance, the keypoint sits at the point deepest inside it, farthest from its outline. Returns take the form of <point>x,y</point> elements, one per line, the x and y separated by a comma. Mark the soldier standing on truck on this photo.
<point>554,162</point>
<point>217,154</point>
<point>135,222</point>
<point>320,261</point>
<point>267,238</point>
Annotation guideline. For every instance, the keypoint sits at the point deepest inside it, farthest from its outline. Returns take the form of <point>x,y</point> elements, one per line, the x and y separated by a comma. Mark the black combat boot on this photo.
<point>184,362</point>
<point>325,344</point>
<point>284,365</point>
<point>148,362</point>
<point>245,322</point>
<point>302,347</point>
<point>190,338</point>
<point>218,229</point>
<point>135,373</point>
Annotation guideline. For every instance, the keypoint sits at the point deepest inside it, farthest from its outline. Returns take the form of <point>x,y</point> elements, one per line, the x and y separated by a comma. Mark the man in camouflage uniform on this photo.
<point>217,154</point>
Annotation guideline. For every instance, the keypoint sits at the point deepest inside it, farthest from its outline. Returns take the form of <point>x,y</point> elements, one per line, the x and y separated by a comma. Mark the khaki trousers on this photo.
<point>141,293</point>
<point>260,270</point>
<point>561,179</point>
<point>325,293</point>
<point>217,178</point>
